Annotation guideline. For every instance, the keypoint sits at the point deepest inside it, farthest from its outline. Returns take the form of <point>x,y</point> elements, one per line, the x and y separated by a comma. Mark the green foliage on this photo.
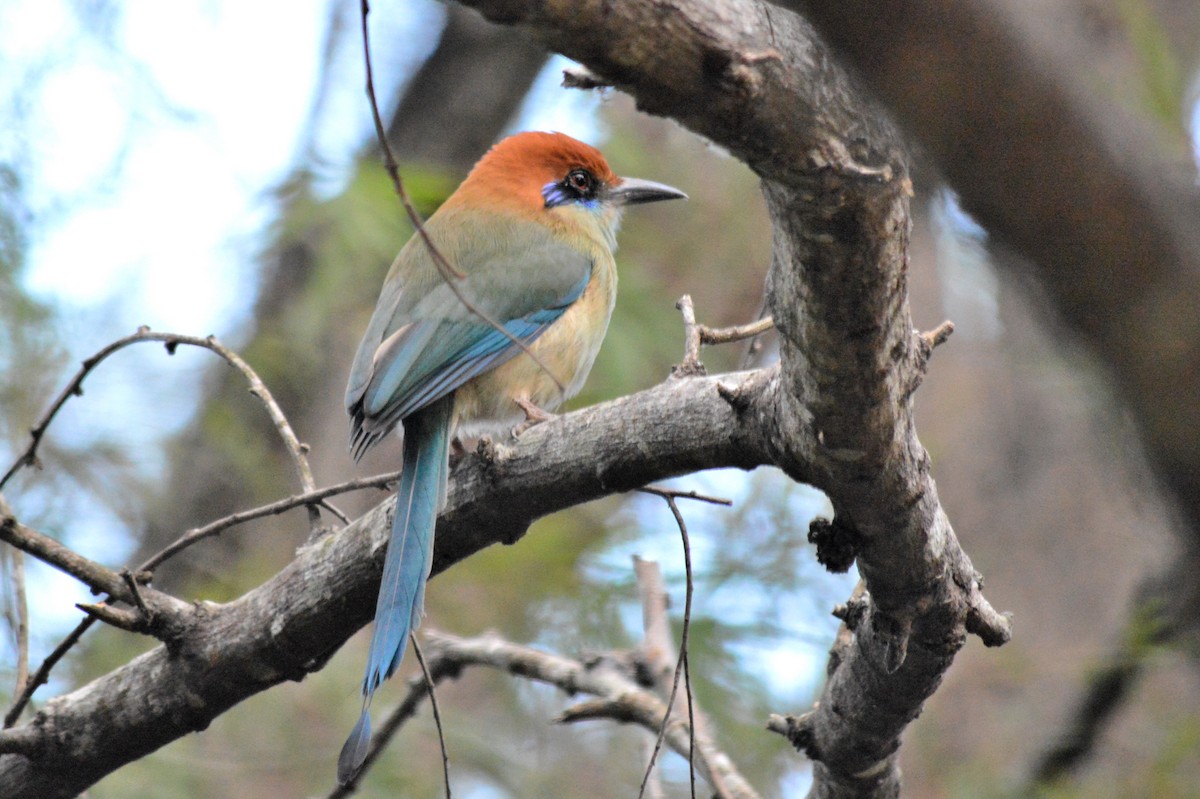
<point>1163,82</point>
<point>27,340</point>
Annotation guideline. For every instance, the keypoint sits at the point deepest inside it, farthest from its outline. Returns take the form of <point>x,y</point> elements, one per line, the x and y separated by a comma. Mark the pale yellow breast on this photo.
<point>485,405</point>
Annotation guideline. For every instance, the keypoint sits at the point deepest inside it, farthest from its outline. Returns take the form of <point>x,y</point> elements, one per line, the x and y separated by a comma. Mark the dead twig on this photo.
<point>668,493</point>
<point>621,698</point>
<point>696,335</point>
<point>99,578</point>
<point>310,498</point>
<point>680,664</point>
<point>437,713</point>
<point>74,388</point>
<point>42,675</point>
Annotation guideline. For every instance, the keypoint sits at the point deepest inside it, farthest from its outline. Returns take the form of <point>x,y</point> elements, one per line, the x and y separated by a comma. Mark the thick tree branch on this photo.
<point>836,414</point>
<point>752,77</point>
<point>1071,181</point>
<point>290,625</point>
<point>756,80</point>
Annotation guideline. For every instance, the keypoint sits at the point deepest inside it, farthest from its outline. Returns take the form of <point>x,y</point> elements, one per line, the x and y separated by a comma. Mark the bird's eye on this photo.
<point>580,180</point>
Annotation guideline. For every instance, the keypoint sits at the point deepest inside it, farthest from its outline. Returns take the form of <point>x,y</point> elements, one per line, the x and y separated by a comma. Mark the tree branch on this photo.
<point>835,178</point>
<point>217,527</point>
<point>1071,181</point>
<point>290,625</point>
<point>171,341</point>
<point>620,698</point>
<point>162,614</point>
<point>836,413</point>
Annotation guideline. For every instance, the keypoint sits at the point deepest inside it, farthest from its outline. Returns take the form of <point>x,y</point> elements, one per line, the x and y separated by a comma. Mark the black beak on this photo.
<point>633,191</point>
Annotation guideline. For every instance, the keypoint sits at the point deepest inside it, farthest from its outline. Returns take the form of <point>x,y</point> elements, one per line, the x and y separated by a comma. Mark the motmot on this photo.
<point>531,233</point>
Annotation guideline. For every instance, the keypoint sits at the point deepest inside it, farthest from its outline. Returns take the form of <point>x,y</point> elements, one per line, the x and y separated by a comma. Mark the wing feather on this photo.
<point>422,342</point>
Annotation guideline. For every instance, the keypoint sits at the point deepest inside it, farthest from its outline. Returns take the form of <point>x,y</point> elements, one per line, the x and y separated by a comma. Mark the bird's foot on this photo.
<point>533,416</point>
<point>457,451</point>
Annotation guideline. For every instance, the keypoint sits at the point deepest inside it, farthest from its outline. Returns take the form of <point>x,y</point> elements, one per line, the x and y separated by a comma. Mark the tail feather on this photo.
<point>419,499</point>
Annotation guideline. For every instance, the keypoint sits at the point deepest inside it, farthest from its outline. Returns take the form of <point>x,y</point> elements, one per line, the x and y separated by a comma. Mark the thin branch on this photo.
<point>647,710</point>
<point>620,697</point>
<point>450,274</point>
<point>310,498</point>
<point>132,584</point>
<point>437,713</point>
<point>754,346</point>
<point>668,493</point>
<point>172,340</point>
<point>696,335</point>
<point>42,675</point>
<point>159,613</point>
<point>683,646</point>
<point>337,513</point>
<point>687,687</point>
<point>448,271</point>
<point>691,341</point>
<point>99,578</point>
<point>728,335</point>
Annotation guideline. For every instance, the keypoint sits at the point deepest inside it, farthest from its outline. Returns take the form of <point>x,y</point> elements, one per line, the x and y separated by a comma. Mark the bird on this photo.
<point>529,238</point>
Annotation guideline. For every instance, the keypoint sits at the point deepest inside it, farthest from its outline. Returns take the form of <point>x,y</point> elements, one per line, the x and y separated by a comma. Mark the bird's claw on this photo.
<point>457,451</point>
<point>533,416</point>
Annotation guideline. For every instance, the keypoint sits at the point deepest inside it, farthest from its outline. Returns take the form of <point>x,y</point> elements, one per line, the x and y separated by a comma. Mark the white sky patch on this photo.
<point>176,231</point>
<point>81,125</point>
<point>41,26</point>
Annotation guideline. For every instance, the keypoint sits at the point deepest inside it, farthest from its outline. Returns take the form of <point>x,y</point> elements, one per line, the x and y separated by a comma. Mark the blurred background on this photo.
<point>210,167</point>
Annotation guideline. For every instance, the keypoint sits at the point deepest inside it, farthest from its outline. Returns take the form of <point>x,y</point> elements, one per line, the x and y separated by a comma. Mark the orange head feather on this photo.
<point>517,169</point>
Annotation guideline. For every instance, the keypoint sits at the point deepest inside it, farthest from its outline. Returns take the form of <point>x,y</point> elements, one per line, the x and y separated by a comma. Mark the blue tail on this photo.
<point>410,554</point>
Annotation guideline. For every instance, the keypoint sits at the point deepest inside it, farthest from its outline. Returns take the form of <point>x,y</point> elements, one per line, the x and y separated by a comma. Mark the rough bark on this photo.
<point>290,625</point>
<point>836,414</point>
<point>757,81</point>
<point>1103,208</point>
